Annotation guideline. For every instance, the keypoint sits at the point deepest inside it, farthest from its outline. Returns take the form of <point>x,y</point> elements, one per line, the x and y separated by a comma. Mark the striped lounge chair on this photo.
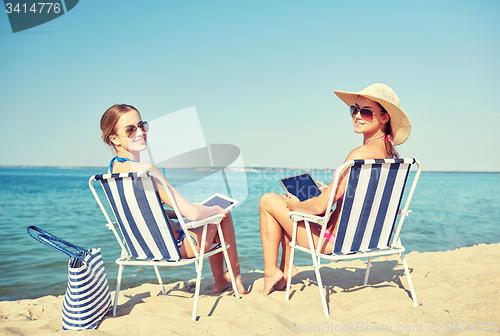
<point>368,216</point>
<point>146,237</point>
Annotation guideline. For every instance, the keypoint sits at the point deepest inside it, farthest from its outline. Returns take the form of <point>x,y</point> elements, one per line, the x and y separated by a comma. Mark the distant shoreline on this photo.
<point>236,169</point>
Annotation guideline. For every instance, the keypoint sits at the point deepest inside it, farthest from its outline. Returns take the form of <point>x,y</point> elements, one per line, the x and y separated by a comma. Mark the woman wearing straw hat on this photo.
<point>376,114</point>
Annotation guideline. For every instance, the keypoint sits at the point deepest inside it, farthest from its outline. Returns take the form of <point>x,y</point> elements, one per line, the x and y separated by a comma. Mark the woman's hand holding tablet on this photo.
<point>302,186</point>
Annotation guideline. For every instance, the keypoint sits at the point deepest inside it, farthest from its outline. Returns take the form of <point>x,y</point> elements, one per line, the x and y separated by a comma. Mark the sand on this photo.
<point>456,290</point>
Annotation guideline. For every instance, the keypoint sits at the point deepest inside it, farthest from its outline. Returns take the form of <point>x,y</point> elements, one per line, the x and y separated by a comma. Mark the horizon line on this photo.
<point>246,169</point>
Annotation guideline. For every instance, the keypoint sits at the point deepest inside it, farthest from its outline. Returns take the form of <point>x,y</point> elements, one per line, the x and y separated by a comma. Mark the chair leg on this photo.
<point>320,285</point>
<point>231,274</point>
<point>317,263</point>
<point>290,264</point>
<point>367,273</point>
<point>199,267</point>
<point>197,290</point>
<point>160,281</point>
<point>407,272</point>
<point>118,283</point>
<point>289,279</point>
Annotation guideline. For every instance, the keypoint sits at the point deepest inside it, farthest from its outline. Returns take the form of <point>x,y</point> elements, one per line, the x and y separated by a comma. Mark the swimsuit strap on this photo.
<point>119,159</point>
<point>388,137</point>
<point>381,138</point>
<point>181,237</point>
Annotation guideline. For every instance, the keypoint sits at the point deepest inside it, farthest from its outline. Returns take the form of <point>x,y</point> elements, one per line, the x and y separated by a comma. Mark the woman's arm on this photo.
<point>189,210</point>
<point>317,205</point>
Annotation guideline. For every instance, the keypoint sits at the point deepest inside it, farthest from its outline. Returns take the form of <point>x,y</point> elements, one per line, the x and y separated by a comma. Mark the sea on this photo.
<point>449,210</point>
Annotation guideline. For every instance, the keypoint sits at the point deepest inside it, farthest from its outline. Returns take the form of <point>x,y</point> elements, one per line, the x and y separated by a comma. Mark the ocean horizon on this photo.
<point>254,168</point>
<point>449,210</point>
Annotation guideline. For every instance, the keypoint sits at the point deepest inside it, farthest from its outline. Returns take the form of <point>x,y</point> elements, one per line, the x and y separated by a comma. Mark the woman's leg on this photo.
<point>217,267</point>
<point>274,224</point>
<point>221,278</point>
<point>285,262</point>
<point>217,263</point>
<point>185,249</point>
<point>276,227</point>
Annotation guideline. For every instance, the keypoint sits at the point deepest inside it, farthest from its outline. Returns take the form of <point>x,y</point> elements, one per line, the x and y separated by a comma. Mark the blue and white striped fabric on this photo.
<point>139,213</point>
<point>87,297</point>
<point>371,202</point>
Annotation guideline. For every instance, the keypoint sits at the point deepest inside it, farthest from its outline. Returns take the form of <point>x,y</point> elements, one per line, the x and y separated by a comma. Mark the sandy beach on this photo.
<point>456,290</point>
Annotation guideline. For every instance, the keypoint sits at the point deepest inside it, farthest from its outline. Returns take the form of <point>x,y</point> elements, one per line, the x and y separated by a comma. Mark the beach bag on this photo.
<point>87,297</point>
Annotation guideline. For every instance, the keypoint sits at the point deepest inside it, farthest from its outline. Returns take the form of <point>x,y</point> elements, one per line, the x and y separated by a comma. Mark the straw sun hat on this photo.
<point>385,96</point>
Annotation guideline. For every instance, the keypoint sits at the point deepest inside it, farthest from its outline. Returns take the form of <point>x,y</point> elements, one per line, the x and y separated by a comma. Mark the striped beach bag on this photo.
<point>87,297</point>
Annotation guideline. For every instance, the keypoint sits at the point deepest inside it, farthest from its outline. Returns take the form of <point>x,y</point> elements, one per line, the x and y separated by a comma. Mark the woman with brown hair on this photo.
<point>377,116</point>
<point>123,129</point>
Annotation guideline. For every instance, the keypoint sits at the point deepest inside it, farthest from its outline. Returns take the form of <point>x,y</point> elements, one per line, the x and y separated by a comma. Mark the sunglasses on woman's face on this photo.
<point>366,114</point>
<point>143,125</point>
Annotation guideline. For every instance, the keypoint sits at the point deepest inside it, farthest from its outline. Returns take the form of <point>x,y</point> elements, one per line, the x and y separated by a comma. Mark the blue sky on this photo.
<point>261,75</point>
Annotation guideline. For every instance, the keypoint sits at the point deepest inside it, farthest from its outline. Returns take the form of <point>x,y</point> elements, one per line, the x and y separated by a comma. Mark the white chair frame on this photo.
<point>395,248</point>
<point>197,260</point>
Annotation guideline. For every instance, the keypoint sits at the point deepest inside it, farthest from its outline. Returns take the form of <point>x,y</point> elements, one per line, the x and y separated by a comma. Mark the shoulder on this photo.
<point>142,166</point>
<point>361,152</point>
<point>370,151</point>
<point>135,167</point>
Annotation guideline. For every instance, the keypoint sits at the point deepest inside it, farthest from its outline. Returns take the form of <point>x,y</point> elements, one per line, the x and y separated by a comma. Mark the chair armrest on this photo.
<point>215,219</point>
<point>298,216</point>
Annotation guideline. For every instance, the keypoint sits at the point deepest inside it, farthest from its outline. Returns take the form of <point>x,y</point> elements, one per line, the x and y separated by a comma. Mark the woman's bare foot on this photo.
<point>280,285</point>
<point>239,283</point>
<point>270,280</point>
<point>221,286</point>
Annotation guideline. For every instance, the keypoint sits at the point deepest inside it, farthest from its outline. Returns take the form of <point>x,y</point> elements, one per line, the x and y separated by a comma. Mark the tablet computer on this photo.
<point>302,186</point>
<point>223,201</point>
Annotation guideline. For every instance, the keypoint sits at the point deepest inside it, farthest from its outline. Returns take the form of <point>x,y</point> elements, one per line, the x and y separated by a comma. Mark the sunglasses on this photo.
<point>366,114</point>
<point>143,125</point>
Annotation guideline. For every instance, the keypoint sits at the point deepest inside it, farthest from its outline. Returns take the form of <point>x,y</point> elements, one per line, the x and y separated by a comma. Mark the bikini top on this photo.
<point>119,159</point>
<point>388,136</point>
